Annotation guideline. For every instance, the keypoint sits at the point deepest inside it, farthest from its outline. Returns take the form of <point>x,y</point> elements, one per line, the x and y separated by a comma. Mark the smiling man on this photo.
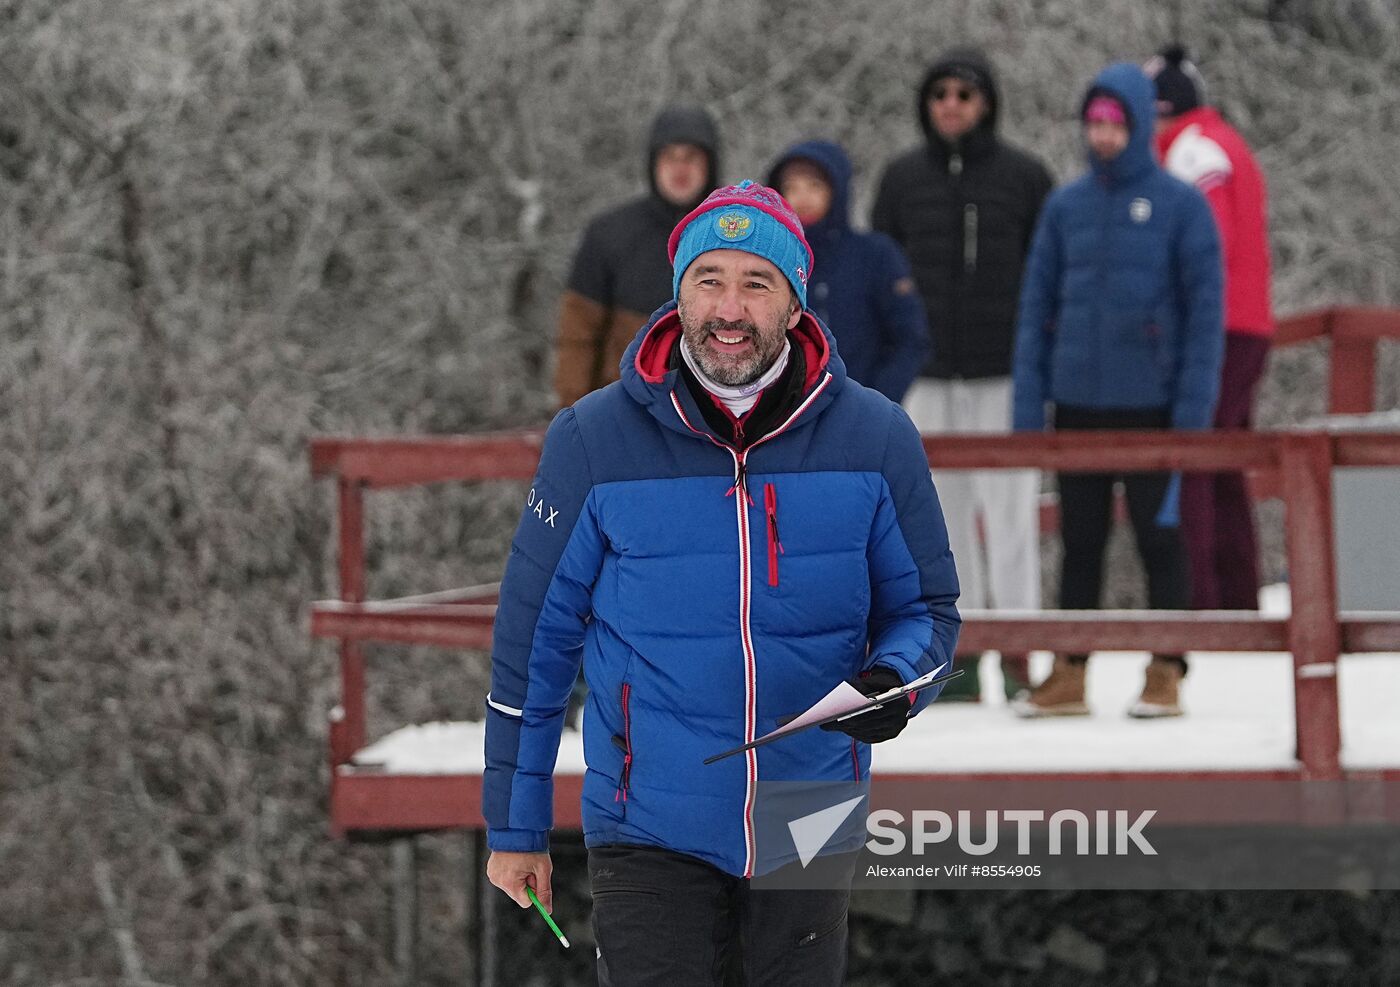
<point>719,331</point>
<point>699,625</point>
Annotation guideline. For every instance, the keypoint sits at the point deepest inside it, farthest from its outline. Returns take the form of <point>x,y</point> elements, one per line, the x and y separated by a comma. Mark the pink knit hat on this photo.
<point>1104,109</point>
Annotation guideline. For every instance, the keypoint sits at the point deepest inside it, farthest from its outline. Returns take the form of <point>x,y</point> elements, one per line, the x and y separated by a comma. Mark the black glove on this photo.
<point>884,722</point>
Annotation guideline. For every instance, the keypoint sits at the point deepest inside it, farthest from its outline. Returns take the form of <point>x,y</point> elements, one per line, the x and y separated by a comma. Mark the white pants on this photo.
<point>1008,500</point>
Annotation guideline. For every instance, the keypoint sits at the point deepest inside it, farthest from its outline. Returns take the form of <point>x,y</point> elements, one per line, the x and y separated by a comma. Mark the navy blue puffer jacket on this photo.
<point>649,551</point>
<point>1121,306</point>
<point>861,285</point>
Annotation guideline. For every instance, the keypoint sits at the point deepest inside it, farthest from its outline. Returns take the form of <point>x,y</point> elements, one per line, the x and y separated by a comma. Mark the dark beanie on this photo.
<point>963,67</point>
<point>1180,86</point>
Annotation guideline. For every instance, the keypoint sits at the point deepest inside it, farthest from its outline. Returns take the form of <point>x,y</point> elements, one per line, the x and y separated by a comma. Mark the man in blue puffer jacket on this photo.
<point>861,286</point>
<point>1120,327</point>
<point>650,551</point>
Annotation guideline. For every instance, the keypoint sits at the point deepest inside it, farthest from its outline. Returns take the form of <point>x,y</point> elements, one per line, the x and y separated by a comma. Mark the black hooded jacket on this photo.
<point>621,273</point>
<point>964,214</point>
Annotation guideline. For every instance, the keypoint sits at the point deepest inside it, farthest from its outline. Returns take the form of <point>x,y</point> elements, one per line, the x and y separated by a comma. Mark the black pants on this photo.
<point>671,920</point>
<point>1086,515</point>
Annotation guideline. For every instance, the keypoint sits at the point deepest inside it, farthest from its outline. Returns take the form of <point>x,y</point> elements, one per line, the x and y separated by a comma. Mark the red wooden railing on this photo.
<point>1315,632</point>
<point>1354,332</point>
<point>1298,465</point>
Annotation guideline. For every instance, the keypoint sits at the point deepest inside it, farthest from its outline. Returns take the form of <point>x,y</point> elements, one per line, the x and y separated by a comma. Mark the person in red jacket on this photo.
<point>1196,145</point>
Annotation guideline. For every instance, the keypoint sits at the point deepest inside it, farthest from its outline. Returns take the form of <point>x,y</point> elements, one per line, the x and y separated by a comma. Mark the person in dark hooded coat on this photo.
<point>963,205</point>
<point>860,282</point>
<point>621,273</point>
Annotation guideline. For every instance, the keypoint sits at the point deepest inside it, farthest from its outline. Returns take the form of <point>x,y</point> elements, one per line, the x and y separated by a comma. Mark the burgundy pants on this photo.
<point>1217,517</point>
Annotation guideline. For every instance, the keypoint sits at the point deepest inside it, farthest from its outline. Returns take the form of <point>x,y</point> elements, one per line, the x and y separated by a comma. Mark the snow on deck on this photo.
<point>1239,716</point>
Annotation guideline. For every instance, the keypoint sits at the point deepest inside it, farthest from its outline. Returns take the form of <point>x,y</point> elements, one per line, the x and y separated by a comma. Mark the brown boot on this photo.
<point>1061,694</point>
<point>1161,694</point>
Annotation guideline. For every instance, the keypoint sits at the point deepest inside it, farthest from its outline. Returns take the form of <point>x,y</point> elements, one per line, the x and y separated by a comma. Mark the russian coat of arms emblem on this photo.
<point>734,225</point>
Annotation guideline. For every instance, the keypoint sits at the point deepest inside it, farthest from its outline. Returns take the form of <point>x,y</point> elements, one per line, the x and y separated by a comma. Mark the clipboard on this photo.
<point>917,685</point>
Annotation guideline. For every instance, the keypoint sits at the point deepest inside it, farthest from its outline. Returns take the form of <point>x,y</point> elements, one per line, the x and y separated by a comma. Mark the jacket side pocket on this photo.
<point>624,743</point>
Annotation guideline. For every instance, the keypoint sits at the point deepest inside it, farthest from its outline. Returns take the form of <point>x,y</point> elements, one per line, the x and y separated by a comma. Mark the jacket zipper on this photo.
<point>750,657</point>
<point>970,238</point>
<point>741,513</point>
<point>953,357</point>
<point>1101,279</point>
<point>775,545</point>
<point>624,783</point>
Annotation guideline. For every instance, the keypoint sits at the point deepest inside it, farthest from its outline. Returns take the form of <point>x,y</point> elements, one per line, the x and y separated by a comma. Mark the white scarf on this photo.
<point>738,399</point>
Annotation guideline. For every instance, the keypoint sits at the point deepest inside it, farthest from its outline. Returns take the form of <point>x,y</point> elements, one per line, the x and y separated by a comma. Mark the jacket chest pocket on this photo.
<point>770,524</point>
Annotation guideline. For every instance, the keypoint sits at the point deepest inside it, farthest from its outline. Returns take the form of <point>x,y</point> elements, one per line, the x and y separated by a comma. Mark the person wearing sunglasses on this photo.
<point>963,204</point>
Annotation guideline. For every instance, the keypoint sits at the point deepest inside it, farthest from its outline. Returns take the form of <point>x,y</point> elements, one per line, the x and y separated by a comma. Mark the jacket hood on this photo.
<point>1128,84</point>
<point>684,124</point>
<point>650,380</point>
<point>833,162</point>
<point>966,63</point>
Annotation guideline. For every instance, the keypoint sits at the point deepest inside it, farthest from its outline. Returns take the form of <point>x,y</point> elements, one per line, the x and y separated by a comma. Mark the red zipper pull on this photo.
<point>625,781</point>
<point>740,480</point>
<point>770,501</point>
<point>775,544</point>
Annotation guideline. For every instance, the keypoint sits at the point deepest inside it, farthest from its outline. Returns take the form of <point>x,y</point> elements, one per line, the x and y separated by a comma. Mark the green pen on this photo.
<point>531,892</point>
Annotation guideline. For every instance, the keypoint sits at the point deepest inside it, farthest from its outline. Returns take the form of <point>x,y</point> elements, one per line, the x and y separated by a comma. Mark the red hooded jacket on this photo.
<point>1200,148</point>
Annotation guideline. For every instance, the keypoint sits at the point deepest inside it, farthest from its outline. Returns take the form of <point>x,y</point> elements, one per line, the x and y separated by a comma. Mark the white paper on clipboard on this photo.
<point>844,699</point>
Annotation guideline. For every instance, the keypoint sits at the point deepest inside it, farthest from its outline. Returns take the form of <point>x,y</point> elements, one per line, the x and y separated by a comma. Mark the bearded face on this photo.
<point>735,310</point>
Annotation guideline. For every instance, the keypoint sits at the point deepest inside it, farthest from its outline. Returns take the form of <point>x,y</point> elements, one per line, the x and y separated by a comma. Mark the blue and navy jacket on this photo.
<point>861,285</point>
<point>1121,306</point>
<point>707,591</point>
